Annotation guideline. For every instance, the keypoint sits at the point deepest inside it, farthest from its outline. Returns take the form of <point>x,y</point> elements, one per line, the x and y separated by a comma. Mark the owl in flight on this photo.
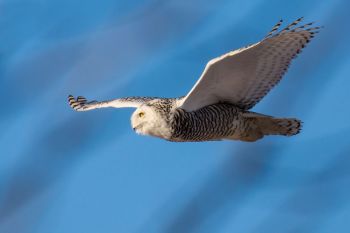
<point>218,105</point>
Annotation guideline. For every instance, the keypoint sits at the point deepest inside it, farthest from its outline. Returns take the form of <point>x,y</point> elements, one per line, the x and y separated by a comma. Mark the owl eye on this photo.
<point>141,114</point>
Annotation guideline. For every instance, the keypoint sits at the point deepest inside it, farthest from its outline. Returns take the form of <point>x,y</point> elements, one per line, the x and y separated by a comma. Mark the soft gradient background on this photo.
<point>67,172</point>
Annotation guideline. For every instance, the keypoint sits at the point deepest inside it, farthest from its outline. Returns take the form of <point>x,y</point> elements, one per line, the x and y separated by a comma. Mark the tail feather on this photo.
<point>279,126</point>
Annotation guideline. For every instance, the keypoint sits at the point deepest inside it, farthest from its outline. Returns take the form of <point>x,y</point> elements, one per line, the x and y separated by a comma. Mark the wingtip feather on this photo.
<point>76,104</point>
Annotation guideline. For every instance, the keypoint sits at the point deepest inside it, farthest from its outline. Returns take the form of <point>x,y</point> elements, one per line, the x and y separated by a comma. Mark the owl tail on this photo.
<point>279,126</point>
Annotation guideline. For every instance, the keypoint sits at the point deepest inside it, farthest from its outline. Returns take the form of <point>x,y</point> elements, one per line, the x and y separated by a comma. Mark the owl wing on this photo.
<point>81,104</point>
<point>244,76</point>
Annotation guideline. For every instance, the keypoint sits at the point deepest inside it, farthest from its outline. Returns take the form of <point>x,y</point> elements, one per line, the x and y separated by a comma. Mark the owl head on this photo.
<point>148,120</point>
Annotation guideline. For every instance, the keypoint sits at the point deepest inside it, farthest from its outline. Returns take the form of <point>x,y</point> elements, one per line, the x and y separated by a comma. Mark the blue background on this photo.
<point>64,171</point>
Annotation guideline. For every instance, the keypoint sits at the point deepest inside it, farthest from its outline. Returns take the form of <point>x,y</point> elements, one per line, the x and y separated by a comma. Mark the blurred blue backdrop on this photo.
<point>64,171</point>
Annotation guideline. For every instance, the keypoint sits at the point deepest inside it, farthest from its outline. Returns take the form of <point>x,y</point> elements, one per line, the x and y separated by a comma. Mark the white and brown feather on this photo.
<point>244,76</point>
<point>274,58</point>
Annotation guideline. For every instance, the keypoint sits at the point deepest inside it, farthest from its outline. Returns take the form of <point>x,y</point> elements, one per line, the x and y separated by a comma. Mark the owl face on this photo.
<point>147,121</point>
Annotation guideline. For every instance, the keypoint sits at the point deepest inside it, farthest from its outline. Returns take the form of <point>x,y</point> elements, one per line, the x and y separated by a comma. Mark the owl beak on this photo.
<point>136,127</point>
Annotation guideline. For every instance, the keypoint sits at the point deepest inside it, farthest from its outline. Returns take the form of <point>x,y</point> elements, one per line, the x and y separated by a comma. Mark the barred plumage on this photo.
<point>213,122</point>
<point>217,106</point>
<point>274,29</point>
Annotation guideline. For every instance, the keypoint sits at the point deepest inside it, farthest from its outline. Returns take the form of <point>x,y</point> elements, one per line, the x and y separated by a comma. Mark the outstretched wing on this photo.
<point>81,104</point>
<point>244,76</point>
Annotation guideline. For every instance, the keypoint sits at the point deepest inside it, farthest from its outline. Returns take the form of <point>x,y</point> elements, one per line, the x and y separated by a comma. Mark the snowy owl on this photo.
<point>218,105</point>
